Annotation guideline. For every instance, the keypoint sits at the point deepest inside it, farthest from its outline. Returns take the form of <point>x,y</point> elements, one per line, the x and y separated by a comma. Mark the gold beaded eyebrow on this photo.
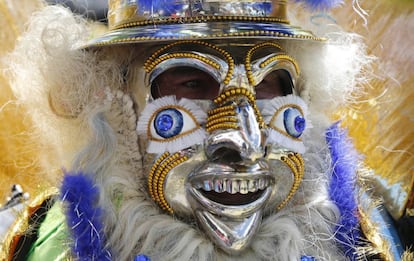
<point>157,57</point>
<point>249,54</point>
<point>182,55</point>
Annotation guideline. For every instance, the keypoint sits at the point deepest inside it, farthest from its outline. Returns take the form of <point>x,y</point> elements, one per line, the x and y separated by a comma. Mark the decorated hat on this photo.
<point>143,21</point>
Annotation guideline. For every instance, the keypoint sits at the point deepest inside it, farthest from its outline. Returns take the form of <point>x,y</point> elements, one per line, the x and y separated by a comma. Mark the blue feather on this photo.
<point>84,217</point>
<point>342,188</point>
<point>321,5</point>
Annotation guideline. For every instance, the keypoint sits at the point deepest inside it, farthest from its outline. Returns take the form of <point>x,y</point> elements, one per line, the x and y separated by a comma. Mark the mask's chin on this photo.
<point>228,203</point>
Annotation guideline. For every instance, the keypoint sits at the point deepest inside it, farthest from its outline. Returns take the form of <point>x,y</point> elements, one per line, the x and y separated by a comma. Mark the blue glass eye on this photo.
<point>294,122</point>
<point>168,123</point>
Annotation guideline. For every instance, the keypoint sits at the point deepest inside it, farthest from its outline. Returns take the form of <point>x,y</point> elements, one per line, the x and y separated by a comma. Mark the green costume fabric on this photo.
<point>52,243</point>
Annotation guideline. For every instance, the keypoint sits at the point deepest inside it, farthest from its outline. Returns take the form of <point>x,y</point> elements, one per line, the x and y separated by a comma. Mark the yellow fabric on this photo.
<point>381,121</point>
<point>18,149</point>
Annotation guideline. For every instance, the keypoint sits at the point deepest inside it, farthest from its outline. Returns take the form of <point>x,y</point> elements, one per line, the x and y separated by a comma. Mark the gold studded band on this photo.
<point>202,19</point>
<point>158,173</point>
<point>155,58</point>
<point>248,59</point>
<point>247,34</point>
<point>157,61</point>
<point>217,114</point>
<point>296,163</point>
<point>232,93</point>
<point>284,57</point>
<point>222,118</point>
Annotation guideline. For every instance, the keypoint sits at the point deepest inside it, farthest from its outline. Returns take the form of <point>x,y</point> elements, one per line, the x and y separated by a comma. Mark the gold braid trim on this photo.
<point>223,117</point>
<point>370,230</point>
<point>248,60</point>
<point>21,225</point>
<point>158,174</point>
<point>155,58</point>
<point>296,163</point>
<point>202,19</point>
<point>220,121</point>
<point>256,33</point>
<point>232,93</point>
<point>218,115</point>
<point>228,109</point>
<point>159,60</point>
<point>281,57</point>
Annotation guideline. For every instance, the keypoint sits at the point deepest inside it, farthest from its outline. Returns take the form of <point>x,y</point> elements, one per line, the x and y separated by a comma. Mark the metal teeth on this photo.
<point>252,186</point>
<point>243,187</point>
<point>233,186</point>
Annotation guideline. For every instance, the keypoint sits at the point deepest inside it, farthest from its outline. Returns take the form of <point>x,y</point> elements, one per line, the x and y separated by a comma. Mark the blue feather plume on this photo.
<point>342,188</point>
<point>321,5</point>
<point>84,217</point>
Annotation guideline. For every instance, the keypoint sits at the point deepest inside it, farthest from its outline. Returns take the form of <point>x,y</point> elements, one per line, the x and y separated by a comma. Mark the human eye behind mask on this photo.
<point>276,83</point>
<point>185,82</point>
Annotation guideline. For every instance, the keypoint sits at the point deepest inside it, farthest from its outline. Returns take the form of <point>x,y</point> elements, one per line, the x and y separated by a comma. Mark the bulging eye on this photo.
<point>171,122</point>
<point>168,123</point>
<point>294,122</point>
<point>171,125</point>
<point>286,120</point>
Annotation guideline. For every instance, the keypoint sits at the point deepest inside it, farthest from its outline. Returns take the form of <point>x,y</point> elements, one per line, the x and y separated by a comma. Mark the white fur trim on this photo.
<point>195,135</point>
<point>275,134</point>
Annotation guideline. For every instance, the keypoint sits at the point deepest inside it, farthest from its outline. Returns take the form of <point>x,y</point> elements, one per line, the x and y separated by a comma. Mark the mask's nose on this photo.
<point>235,134</point>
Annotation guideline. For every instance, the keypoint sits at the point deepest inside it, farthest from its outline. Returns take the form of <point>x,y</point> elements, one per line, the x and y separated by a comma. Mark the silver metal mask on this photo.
<point>224,128</point>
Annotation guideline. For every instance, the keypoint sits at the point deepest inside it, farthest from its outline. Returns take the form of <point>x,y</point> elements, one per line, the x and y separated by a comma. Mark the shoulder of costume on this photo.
<point>365,228</point>
<point>36,228</point>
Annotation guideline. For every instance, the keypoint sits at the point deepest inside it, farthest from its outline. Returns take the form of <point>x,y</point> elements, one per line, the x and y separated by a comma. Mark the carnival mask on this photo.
<point>224,129</point>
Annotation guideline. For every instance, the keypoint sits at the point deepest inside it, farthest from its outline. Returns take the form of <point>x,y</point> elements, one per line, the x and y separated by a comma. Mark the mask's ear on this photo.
<point>122,117</point>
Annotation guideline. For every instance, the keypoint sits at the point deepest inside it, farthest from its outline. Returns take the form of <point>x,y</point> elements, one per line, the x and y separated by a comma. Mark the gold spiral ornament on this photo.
<point>296,163</point>
<point>157,177</point>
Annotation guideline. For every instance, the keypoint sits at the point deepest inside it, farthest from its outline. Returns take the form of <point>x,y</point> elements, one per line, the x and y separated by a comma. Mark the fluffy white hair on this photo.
<point>82,102</point>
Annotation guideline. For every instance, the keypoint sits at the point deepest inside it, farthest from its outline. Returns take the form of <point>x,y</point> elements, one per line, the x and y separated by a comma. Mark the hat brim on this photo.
<point>202,30</point>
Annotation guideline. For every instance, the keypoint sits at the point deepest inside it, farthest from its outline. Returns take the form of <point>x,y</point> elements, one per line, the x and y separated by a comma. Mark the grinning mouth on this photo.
<point>233,191</point>
<point>236,199</point>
